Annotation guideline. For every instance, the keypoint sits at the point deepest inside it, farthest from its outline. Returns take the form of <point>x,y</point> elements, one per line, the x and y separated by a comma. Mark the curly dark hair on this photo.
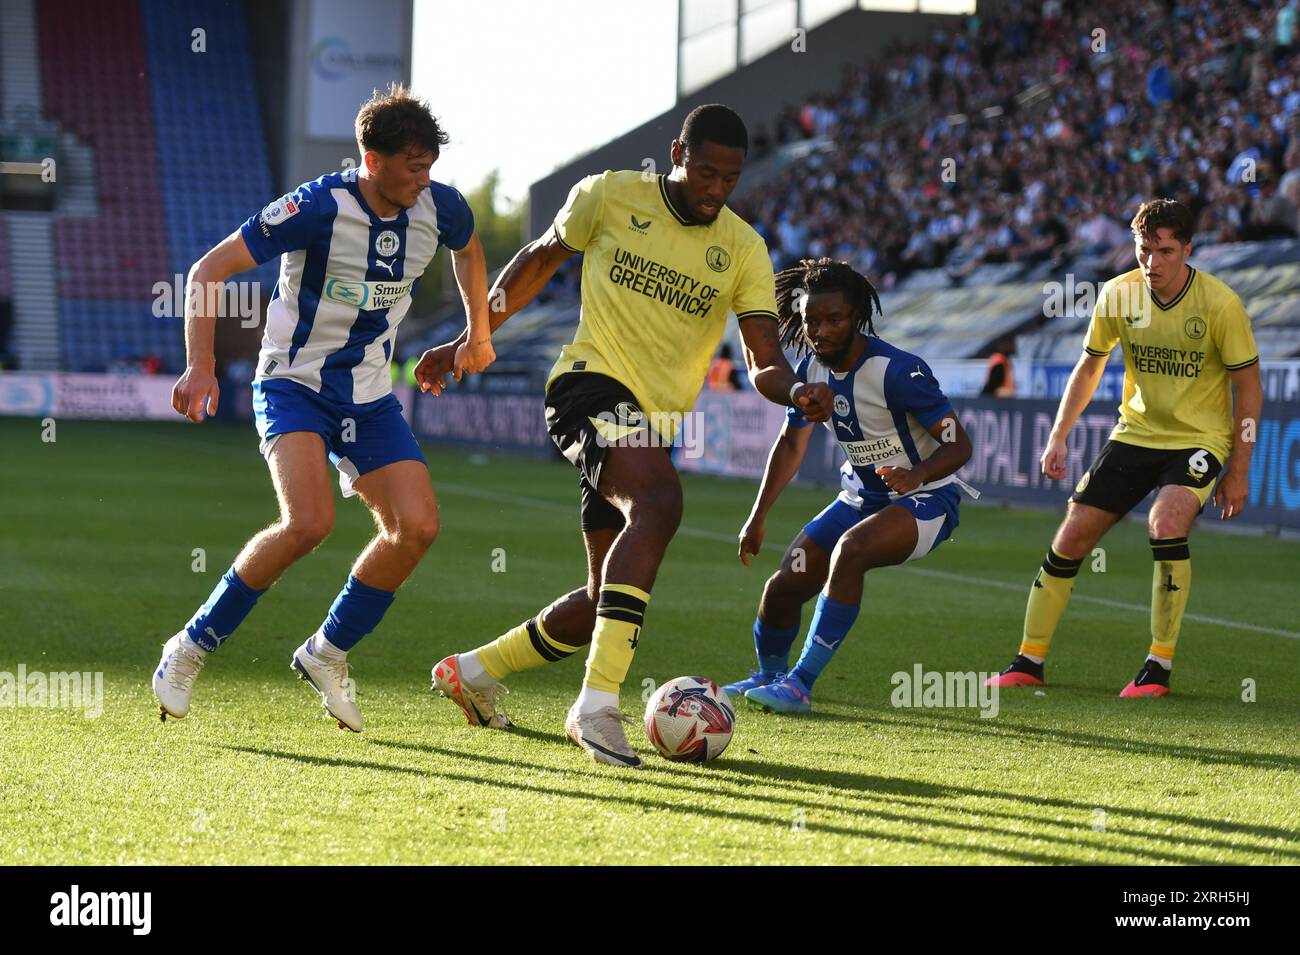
<point>812,276</point>
<point>396,120</point>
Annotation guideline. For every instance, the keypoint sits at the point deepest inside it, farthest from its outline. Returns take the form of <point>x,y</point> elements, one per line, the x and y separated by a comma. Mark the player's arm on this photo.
<point>475,352</point>
<point>196,392</point>
<point>517,285</point>
<point>1078,392</point>
<point>954,451</point>
<point>783,463</point>
<point>1248,401</point>
<point>772,375</point>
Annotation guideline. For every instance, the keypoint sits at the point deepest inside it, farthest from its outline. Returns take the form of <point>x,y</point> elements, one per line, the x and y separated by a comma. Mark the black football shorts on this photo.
<point>572,402</point>
<point>1124,474</point>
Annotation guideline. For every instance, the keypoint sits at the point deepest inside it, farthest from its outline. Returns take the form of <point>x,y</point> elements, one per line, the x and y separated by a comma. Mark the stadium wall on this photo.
<point>733,431</point>
<point>758,91</point>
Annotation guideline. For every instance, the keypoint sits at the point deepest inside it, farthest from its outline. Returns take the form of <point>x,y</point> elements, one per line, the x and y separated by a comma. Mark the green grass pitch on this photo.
<point>97,534</point>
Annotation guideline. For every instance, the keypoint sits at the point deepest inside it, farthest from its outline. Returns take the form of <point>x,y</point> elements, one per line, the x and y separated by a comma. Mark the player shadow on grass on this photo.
<point>940,791</point>
<point>647,804</point>
<point>948,722</point>
<point>807,787</point>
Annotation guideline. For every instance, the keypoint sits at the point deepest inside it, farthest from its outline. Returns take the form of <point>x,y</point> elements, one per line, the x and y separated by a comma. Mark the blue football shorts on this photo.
<point>936,514</point>
<point>360,438</point>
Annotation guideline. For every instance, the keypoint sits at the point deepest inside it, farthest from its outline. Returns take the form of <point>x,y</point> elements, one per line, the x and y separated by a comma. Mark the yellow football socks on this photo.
<point>1047,600</point>
<point>1170,582</point>
<point>525,647</point>
<point>619,616</point>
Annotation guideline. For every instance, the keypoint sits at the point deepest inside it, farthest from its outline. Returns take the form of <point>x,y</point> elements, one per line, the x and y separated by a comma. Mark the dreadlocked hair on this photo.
<point>812,276</point>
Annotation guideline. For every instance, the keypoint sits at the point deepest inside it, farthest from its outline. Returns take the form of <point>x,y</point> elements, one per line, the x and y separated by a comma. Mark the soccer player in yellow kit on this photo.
<point>1186,340</point>
<point>664,262</point>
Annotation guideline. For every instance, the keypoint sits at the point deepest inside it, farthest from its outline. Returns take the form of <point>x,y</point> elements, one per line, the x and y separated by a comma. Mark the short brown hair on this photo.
<point>396,120</point>
<point>1168,214</point>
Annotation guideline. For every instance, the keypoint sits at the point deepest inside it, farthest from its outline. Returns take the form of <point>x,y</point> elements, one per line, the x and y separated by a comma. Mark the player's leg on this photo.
<point>1079,532</point>
<point>643,484</point>
<point>301,477</point>
<point>1169,524</point>
<point>301,474</point>
<point>800,577</point>
<point>571,619</point>
<point>1120,477</point>
<point>471,680</point>
<point>379,459</point>
<point>887,537</point>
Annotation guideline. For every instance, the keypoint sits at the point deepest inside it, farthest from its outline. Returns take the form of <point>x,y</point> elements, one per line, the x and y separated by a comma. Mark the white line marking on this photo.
<point>555,507</point>
<point>924,571</point>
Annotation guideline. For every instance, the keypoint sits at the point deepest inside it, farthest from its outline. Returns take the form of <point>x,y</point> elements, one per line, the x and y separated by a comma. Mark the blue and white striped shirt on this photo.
<point>884,408</point>
<point>346,281</point>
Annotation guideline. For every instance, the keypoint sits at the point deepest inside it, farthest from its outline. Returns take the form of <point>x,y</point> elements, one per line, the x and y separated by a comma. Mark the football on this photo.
<point>690,720</point>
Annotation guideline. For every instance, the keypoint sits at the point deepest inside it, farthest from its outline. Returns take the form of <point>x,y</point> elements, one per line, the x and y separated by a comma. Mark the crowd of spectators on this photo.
<point>1032,133</point>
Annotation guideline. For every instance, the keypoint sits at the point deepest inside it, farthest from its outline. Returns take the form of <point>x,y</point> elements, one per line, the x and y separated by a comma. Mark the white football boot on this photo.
<point>479,706</point>
<point>173,678</point>
<point>328,675</point>
<point>601,734</point>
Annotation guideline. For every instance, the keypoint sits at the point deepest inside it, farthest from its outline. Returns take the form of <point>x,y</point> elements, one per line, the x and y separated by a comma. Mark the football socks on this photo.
<point>772,646</point>
<point>1171,579</point>
<point>225,609</point>
<point>1047,599</point>
<point>356,611</point>
<point>619,615</point>
<point>831,623</point>
<point>525,647</point>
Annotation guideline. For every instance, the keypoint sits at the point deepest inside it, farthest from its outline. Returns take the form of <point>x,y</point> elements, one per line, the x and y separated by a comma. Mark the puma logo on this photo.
<point>387,265</point>
<point>918,373</point>
<point>635,638</point>
<point>1170,586</point>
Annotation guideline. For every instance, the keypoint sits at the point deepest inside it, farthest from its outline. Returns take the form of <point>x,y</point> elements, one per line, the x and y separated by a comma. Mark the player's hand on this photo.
<point>751,539</point>
<point>1053,459</point>
<point>434,366</point>
<point>196,393</point>
<point>899,480</point>
<point>816,401</point>
<point>1230,494</point>
<point>473,358</point>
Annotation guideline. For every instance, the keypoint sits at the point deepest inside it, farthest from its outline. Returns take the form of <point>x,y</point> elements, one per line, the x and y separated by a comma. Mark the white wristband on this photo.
<point>793,388</point>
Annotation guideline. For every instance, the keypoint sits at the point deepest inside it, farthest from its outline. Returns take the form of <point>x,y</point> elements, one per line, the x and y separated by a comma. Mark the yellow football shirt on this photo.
<point>656,288</point>
<point>1177,391</point>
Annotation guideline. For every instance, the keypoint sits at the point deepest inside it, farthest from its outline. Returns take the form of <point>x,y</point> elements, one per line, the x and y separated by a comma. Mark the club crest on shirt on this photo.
<point>718,258</point>
<point>386,243</point>
<point>1195,327</point>
<point>841,406</point>
<point>628,413</point>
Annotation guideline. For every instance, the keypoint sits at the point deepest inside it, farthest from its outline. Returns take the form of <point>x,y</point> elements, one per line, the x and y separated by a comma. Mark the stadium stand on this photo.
<point>215,172</point>
<point>6,280</point>
<point>93,72</point>
<point>1055,135</point>
<point>165,155</point>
